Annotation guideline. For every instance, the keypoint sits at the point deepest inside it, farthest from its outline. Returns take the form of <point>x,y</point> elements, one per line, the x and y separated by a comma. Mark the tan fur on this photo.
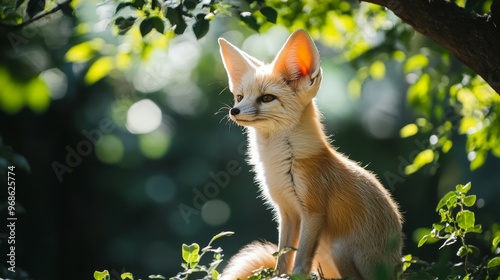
<point>336,213</point>
<point>252,257</point>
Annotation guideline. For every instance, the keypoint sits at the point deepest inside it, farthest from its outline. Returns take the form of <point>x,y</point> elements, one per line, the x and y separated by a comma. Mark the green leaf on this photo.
<point>377,70</point>
<point>37,95</point>
<point>101,275</point>
<point>415,62</point>
<point>190,254</point>
<point>470,200</point>
<point>496,241</point>
<point>222,234</point>
<point>99,69</point>
<point>408,130</point>
<point>123,5</point>
<point>418,93</point>
<point>423,240</point>
<point>494,262</point>
<point>249,20</point>
<point>83,52</point>
<point>138,4</point>
<point>201,26</point>
<point>158,24</point>
<point>445,199</point>
<point>478,160</point>
<point>19,3</point>
<point>463,251</point>
<point>127,275</point>
<point>463,189</point>
<point>34,7</point>
<point>270,14</point>
<point>190,4</point>
<point>174,16</point>
<point>466,219</point>
<point>422,158</point>
<point>146,26</point>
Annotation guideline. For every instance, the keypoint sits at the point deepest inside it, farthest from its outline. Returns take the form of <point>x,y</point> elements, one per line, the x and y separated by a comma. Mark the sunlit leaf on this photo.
<point>127,275</point>
<point>99,69</point>
<point>83,52</point>
<point>470,200</point>
<point>422,158</point>
<point>478,160</point>
<point>494,262</point>
<point>37,95</point>
<point>354,87</point>
<point>190,254</point>
<point>408,130</point>
<point>222,234</point>
<point>377,70</point>
<point>448,144</point>
<point>415,62</point>
<point>418,93</point>
<point>445,199</point>
<point>465,219</point>
<point>101,275</point>
<point>463,188</point>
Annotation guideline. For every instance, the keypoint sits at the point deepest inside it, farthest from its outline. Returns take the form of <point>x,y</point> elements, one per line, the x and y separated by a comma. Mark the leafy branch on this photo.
<point>33,9</point>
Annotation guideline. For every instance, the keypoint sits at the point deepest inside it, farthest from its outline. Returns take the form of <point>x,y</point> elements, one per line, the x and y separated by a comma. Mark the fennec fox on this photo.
<point>337,214</point>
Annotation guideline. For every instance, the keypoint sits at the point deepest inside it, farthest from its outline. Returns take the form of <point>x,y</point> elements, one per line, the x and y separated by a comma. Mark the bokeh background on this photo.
<point>117,173</point>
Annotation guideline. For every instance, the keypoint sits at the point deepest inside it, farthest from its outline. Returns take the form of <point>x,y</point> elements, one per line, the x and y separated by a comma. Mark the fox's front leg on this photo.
<point>310,231</point>
<point>289,227</point>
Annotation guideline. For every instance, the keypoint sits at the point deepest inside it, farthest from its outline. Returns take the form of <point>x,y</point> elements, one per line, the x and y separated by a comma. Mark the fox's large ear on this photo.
<point>298,58</point>
<point>237,63</point>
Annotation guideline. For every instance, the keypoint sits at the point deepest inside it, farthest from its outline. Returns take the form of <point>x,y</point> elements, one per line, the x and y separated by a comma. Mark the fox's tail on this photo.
<point>253,256</point>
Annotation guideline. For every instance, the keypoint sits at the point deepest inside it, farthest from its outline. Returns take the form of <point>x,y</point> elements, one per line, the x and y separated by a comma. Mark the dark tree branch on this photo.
<point>473,39</point>
<point>59,7</point>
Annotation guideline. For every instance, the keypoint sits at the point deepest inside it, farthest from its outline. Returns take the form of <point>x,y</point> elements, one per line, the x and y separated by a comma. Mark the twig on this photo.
<point>35,18</point>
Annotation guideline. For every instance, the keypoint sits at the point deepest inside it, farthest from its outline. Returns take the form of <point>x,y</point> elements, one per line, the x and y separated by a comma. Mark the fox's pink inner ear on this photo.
<point>298,57</point>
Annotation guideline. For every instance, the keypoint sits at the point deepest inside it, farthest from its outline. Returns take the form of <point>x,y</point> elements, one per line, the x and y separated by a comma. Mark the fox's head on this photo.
<point>272,96</point>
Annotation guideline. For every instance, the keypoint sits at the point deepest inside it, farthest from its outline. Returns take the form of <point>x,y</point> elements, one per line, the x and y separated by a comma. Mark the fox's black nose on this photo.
<point>234,111</point>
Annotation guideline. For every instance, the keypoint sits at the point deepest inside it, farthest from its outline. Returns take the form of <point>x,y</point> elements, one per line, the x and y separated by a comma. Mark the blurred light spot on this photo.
<point>185,98</point>
<point>143,116</point>
<point>160,188</point>
<point>471,156</point>
<point>110,149</point>
<point>480,203</point>
<point>184,55</point>
<point>57,82</point>
<point>155,144</point>
<point>380,109</point>
<point>215,212</point>
<point>433,139</point>
<point>411,78</point>
<point>154,74</point>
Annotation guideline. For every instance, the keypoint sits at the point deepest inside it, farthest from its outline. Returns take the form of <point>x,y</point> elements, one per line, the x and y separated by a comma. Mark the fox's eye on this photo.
<point>239,97</point>
<point>267,98</point>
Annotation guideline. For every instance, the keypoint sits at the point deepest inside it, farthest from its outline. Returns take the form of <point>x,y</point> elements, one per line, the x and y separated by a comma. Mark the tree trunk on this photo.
<point>473,39</point>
